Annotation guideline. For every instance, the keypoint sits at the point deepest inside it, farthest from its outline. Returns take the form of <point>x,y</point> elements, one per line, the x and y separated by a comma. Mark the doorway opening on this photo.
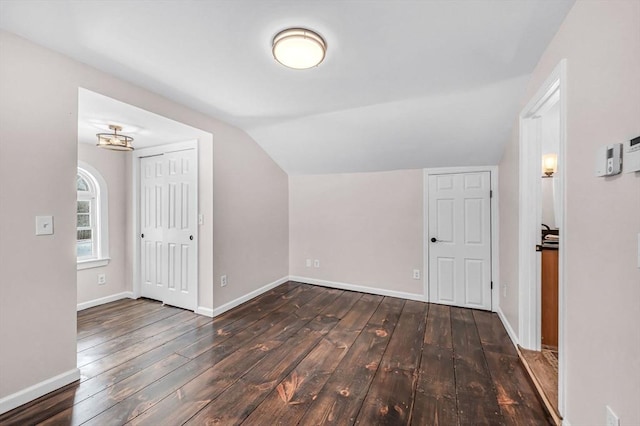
<point>109,268</point>
<point>541,248</point>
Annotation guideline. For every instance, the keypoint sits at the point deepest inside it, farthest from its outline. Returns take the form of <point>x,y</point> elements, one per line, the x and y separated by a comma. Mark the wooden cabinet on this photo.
<point>550,297</point>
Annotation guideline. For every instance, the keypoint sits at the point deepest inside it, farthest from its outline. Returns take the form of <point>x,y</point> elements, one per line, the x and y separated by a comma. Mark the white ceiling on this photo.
<point>405,84</point>
<point>96,112</point>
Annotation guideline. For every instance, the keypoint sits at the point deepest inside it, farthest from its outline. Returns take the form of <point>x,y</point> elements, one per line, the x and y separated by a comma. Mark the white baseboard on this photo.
<point>106,299</point>
<point>230,305</point>
<point>507,326</point>
<point>15,400</point>
<point>360,288</point>
<point>207,312</point>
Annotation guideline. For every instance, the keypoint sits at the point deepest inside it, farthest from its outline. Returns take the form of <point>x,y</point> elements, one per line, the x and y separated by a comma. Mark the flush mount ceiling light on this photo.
<point>299,48</point>
<point>114,140</point>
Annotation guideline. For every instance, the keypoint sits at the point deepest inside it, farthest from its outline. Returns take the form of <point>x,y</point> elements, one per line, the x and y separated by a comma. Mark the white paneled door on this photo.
<point>460,239</point>
<point>152,195</point>
<point>168,209</point>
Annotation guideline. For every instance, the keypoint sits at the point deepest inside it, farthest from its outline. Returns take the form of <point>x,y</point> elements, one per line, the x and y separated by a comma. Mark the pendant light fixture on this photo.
<point>115,141</point>
<point>299,48</point>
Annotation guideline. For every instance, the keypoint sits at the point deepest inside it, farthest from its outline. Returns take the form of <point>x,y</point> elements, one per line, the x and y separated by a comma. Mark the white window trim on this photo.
<point>102,220</point>
<point>92,197</point>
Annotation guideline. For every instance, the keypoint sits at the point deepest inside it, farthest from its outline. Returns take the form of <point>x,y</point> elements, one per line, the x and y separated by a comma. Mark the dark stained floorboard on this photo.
<point>297,354</point>
<point>341,398</point>
<point>390,396</point>
<point>476,397</point>
<point>287,403</point>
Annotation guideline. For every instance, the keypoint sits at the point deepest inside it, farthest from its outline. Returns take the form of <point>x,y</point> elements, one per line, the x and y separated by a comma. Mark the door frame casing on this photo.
<point>529,303</point>
<point>135,203</point>
<point>495,270</point>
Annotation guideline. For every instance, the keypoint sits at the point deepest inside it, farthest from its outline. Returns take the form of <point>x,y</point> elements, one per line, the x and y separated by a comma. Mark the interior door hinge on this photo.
<point>491,193</point>
<point>491,285</point>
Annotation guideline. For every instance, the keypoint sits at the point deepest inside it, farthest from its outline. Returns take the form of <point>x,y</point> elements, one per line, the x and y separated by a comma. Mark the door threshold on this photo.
<point>542,381</point>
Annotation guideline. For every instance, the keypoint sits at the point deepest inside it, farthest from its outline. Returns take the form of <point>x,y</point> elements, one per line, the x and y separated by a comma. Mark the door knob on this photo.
<point>191,237</point>
<point>141,235</point>
<point>434,240</point>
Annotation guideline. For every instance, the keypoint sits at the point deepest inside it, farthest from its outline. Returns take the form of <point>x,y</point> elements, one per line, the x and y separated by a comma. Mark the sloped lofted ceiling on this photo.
<point>405,84</point>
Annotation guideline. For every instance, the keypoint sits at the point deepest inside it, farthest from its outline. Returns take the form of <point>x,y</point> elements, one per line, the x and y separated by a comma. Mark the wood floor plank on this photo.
<point>125,341</point>
<point>147,397</point>
<point>111,309</point>
<point>297,354</point>
<point>287,403</point>
<point>492,334</point>
<point>390,397</point>
<point>251,324</point>
<point>435,397</point>
<point>87,409</point>
<point>476,397</point>
<point>125,327</point>
<point>241,398</point>
<point>517,400</point>
<point>76,393</point>
<point>181,404</point>
<point>438,328</point>
<point>113,360</point>
<point>104,322</point>
<point>341,398</point>
<point>237,402</point>
<point>41,409</point>
<point>109,374</point>
<point>545,374</point>
<point>110,377</point>
<point>100,308</point>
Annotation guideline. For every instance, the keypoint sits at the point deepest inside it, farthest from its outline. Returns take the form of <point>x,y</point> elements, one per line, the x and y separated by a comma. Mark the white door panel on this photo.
<point>151,190</point>
<point>168,221</point>
<point>460,256</point>
<point>181,228</point>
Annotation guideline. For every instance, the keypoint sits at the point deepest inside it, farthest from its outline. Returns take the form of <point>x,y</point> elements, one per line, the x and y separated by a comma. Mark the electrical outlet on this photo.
<point>504,290</point>
<point>416,274</point>
<point>316,263</point>
<point>102,279</point>
<point>612,419</point>
<point>223,281</point>
<point>308,263</point>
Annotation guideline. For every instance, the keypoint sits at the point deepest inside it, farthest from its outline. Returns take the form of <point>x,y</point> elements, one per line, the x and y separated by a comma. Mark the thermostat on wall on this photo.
<point>609,160</point>
<point>632,155</point>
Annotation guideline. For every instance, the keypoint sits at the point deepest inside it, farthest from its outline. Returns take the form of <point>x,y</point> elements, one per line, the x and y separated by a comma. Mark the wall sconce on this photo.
<point>549,164</point>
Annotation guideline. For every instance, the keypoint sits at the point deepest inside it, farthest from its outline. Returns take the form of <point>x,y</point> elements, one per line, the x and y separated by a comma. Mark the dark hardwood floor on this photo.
<point>298,354</point>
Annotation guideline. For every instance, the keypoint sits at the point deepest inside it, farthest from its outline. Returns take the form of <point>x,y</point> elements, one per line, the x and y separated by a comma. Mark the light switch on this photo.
<point>44,225</point>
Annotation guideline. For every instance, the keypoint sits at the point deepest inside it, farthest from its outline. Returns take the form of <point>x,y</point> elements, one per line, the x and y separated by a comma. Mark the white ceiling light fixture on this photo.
<point>115,141</point>
<point>299,48</point>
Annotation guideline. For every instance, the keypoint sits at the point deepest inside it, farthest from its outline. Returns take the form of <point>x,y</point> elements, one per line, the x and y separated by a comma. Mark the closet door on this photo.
<point>152,224</point>
<point>168,225</point>
<point>180,231</point>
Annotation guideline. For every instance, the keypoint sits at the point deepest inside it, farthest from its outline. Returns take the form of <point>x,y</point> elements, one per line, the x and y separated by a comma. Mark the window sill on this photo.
<point>93,263</point>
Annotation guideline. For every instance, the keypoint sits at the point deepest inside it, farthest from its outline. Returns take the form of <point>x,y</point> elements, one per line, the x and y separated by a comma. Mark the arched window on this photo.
<point>92,247</point>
